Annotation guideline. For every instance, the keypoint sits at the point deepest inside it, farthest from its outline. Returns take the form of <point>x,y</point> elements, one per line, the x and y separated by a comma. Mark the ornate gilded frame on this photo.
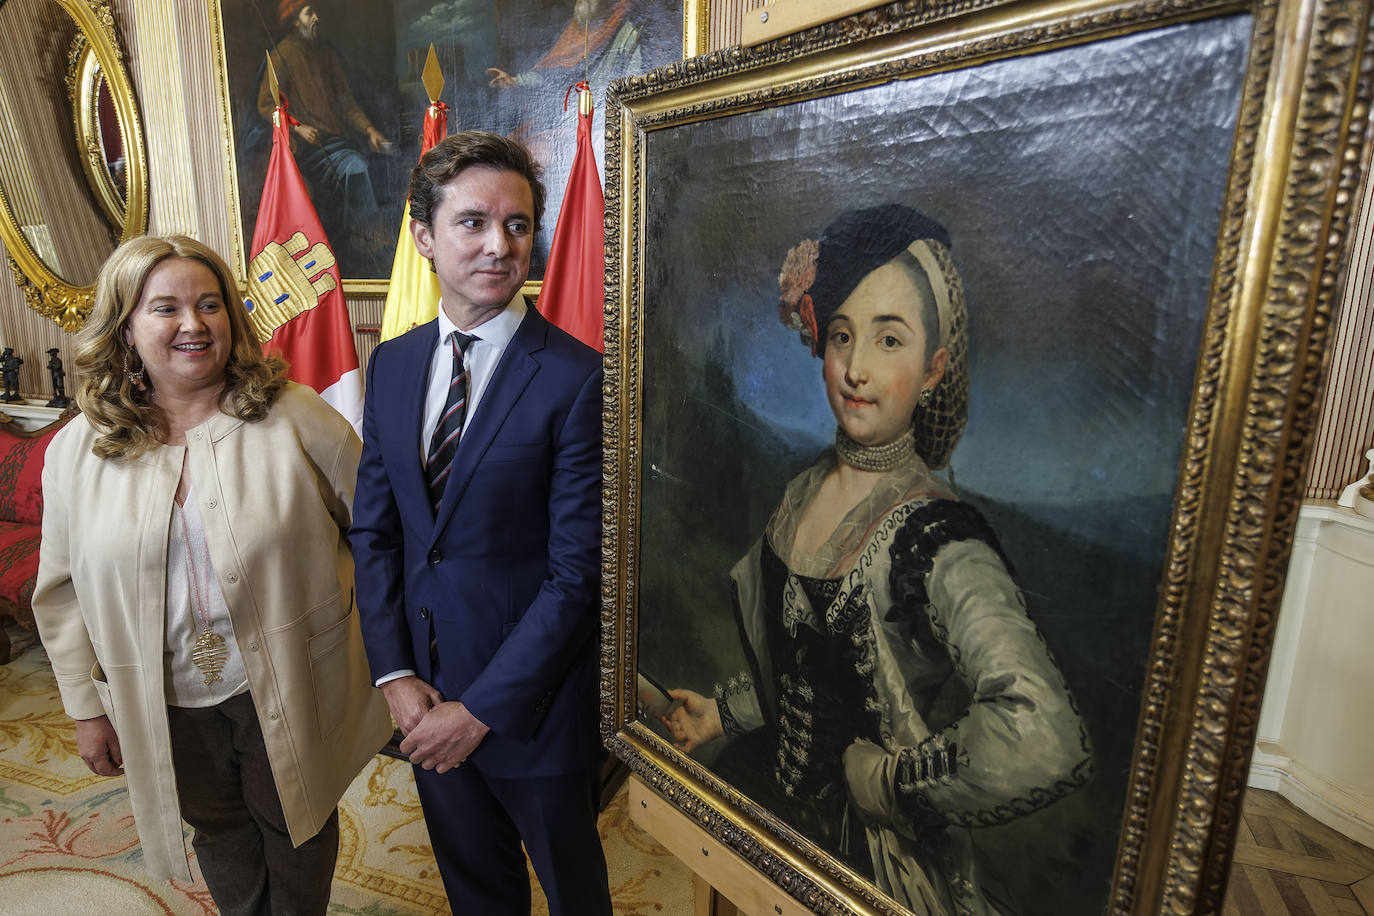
<point>1293,174</point>
<point>46,293</point>
<point>83,88</point>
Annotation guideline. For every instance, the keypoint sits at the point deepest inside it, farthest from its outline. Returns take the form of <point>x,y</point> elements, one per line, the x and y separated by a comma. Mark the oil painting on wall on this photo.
<point>351,72</point>
<point>985,289</point>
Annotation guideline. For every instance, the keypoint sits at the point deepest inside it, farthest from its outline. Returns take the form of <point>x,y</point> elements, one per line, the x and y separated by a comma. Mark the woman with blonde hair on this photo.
<point>195,585</point>
<point>898,692</point>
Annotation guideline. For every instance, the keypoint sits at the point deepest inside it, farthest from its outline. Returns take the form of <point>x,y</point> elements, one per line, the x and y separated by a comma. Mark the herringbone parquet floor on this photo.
<point>1289,863</point>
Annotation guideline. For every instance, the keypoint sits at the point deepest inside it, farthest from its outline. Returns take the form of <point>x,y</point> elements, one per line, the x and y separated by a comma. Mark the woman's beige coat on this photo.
<point>275,497</point>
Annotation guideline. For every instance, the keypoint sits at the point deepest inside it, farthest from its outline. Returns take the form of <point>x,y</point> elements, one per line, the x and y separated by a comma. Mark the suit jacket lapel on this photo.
<point>407,415</point>
<point>513,373</point>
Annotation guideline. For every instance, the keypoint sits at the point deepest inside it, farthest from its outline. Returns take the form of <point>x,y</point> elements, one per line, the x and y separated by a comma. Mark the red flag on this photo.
<point>295,295</point>
<point>573,294</point>
<point>436,126</point>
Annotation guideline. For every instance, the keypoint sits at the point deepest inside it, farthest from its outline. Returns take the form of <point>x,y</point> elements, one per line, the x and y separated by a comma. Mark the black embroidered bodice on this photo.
<point>823,680</point>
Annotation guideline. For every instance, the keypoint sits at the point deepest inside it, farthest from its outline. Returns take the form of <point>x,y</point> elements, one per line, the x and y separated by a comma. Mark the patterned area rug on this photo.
<point>68,845</point>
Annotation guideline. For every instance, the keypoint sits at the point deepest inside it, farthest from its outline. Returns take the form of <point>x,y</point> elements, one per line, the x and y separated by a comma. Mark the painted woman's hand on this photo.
<point>869,772</point>
<point>695,722</point>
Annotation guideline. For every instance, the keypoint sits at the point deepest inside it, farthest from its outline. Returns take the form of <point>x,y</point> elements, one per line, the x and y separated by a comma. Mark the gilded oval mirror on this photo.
<point>67,198</point>
<point>99,141</point>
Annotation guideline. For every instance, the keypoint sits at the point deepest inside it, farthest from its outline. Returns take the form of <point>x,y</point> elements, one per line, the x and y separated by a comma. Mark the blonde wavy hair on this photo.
<point>127,418</point>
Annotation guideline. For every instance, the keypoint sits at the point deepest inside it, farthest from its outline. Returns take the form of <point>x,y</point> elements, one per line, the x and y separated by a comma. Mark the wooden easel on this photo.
<point>724,884</point>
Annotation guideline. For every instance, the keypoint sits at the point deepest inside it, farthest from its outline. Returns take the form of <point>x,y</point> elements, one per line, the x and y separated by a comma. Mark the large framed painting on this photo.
<point>960,363</point>
<point>351,71</point>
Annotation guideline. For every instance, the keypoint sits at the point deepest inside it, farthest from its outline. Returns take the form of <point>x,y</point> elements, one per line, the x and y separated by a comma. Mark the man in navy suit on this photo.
<point>477,535</point>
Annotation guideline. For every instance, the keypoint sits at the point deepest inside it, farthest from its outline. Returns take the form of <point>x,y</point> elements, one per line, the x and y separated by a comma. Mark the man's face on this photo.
<point>479,237</point>
<point>308,23</point>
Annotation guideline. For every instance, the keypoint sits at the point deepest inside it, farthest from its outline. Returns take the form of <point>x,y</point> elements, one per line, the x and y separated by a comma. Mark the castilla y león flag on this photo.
<point>574,281</point>
<point>295,296</point>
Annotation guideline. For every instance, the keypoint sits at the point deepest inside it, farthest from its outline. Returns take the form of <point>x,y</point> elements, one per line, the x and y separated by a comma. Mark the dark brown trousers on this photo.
<point>226,790</point>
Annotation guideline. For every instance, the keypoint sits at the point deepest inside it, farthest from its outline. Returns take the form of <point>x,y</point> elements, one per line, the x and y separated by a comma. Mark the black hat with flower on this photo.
<point>818,275</point>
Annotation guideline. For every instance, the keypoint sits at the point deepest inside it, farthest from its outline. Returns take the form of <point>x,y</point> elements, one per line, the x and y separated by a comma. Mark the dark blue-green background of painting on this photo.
<point>382,45</point>
<point>1082,189</point>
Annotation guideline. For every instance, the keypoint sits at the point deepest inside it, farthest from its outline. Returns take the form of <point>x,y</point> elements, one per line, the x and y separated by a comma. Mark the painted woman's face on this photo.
<point>875,365</point>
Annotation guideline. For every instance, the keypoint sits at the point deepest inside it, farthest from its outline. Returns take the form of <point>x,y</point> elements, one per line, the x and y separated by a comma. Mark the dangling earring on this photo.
<point>135,378</point>
<point>926,395</point>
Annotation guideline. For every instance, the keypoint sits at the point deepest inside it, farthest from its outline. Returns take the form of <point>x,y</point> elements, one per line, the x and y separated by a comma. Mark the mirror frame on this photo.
<point>83,89</point>
<point>44,291</point>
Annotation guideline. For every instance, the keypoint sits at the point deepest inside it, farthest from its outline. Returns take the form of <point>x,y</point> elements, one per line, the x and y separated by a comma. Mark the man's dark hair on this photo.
<point>462,151</point>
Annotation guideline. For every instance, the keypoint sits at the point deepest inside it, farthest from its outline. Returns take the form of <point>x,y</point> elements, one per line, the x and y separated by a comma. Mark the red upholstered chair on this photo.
<point>21,520</point>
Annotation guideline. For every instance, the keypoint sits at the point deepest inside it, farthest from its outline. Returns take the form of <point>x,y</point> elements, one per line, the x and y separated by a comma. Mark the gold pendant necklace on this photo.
<point>209,651</point>
<point>209,654</point>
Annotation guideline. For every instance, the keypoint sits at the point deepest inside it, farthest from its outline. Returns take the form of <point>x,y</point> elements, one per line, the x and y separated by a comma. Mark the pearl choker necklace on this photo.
<point>876,457</point>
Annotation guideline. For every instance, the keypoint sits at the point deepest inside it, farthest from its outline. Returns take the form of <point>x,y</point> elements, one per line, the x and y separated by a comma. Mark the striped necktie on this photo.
<point>444,443</point>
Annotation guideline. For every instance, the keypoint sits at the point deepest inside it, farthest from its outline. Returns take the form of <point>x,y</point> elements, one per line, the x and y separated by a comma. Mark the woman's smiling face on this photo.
<point>875,356</point>
<point>180,327</point>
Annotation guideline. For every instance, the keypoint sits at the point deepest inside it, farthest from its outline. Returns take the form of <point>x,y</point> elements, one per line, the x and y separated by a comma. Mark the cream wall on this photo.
<point>1315,746</point>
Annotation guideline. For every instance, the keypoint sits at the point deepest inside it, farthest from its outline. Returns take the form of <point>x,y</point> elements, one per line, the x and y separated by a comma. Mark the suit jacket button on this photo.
<point>434,557</point>
<point>424,613</point>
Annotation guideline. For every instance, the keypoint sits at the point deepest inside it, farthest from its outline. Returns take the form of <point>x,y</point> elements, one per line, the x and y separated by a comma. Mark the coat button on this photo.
<point>424,613</point>
<point>231,578</point>
<point>434,557</point>
<point>252,647</point>
<point>273,716</point>
<point>211,503</point>
<point>199,435</point>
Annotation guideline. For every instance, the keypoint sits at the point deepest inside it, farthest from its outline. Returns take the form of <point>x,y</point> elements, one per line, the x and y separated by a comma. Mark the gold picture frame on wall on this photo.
<point>506,67</point>
<point>1015,662</point>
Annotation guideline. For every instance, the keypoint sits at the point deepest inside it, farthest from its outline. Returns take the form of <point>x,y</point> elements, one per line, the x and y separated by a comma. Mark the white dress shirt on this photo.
<point>480,361</point>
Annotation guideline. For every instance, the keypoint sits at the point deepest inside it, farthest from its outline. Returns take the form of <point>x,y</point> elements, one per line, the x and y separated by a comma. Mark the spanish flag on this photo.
<point>295,296</point>
<point>573,295</point>
<point>413,296</point>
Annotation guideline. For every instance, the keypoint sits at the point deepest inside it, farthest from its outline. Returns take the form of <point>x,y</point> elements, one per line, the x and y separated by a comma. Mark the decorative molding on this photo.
<point>65,304</point>
<point>1344,810</point>
<point>1329,131</point>
<point>104,17</point>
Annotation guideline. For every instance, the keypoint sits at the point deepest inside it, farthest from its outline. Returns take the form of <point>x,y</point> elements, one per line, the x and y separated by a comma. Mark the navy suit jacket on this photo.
<point>505,578</point>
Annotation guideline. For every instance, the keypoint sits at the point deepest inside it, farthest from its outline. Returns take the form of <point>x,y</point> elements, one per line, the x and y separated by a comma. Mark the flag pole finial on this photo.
<point>432,76</point>
<point>276,91</point>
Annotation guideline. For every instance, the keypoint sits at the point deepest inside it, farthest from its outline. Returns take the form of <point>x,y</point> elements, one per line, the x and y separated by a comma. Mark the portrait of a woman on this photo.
<point>898,695</point>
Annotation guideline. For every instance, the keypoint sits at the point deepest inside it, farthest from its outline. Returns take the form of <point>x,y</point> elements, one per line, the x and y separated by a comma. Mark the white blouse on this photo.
<point>192,585</point>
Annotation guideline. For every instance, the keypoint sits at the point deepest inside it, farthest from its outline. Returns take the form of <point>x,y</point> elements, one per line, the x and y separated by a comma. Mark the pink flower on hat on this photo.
<point>794,304</point>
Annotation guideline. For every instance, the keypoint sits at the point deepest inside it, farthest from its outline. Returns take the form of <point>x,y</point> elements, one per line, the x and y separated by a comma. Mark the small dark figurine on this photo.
<point>9,374</point>
<point>59,396</point>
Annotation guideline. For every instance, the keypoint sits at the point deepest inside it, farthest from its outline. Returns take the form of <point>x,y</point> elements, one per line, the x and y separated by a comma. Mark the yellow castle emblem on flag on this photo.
<point>280,285</point>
